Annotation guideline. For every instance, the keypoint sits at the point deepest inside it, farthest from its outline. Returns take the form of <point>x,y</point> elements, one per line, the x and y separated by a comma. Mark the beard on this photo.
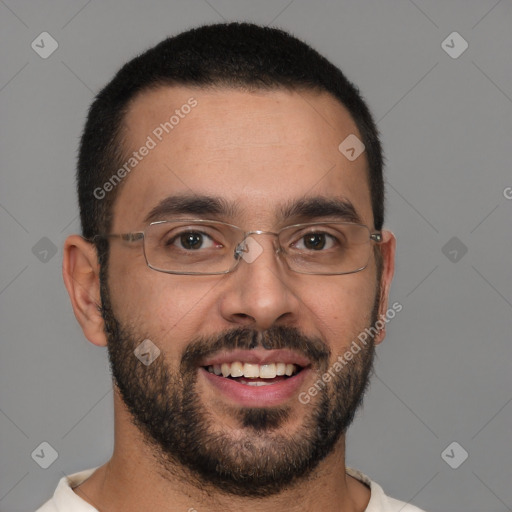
<point>261,456</point>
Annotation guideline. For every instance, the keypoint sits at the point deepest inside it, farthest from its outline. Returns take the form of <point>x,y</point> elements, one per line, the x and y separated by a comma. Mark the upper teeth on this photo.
<point>250,370</point>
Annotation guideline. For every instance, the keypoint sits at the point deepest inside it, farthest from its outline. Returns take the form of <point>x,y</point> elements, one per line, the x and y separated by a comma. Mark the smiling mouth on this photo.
<point>252,374</point>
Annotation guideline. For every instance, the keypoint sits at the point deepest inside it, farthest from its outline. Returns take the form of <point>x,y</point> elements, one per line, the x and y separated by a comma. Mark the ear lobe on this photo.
<point>80,270</point>
<point>387,248</point>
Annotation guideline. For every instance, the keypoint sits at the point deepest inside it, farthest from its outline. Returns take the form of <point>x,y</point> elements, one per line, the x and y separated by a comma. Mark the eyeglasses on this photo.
<point>207,247</point>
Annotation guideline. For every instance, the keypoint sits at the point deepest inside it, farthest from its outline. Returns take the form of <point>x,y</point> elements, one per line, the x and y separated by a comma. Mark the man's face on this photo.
<point>258,153</point>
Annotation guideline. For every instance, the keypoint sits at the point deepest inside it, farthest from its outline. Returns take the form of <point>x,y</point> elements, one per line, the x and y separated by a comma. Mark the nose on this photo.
<point>259,293</point>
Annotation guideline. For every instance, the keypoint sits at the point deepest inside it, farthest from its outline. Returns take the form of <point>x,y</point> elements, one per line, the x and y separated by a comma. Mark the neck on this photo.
<point>133,480</point>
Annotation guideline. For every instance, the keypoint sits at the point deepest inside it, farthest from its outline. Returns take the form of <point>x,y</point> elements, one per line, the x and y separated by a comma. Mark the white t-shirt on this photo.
<point>65,500</point>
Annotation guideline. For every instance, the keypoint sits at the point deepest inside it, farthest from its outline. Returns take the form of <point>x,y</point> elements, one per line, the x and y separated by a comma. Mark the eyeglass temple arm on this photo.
<point>127,237</point>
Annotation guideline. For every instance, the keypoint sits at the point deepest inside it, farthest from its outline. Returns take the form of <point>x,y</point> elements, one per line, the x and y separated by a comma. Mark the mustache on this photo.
<point>276,337</point>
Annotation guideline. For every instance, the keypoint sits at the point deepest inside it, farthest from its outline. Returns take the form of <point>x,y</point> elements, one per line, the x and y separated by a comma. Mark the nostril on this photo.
<point>244,319</point>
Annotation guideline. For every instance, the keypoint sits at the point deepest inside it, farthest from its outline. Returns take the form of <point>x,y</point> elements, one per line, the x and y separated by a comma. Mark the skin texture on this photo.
<point>258,150</point>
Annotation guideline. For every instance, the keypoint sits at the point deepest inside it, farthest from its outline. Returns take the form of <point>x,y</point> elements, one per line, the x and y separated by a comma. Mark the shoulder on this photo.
<point>379,502</point>
<point>50,506</point>
<point>399,506</point>
<point>64,499</point>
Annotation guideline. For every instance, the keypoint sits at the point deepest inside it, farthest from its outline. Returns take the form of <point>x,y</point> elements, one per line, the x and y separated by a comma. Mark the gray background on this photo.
<point>443,373</point>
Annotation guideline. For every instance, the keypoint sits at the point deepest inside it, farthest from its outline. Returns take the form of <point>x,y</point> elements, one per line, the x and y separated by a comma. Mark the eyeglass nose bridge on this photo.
<point>242,248</point>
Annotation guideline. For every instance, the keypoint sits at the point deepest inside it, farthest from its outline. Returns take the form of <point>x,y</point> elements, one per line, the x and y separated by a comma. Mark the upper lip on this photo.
<point>257,356</point>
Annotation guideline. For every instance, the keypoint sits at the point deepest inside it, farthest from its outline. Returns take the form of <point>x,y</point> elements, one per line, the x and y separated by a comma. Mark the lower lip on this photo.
<point>257,396</point>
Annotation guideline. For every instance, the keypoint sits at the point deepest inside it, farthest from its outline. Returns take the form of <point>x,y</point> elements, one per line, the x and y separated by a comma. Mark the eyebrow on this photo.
<point>193,205</point>
<point>320,206</point>
<point>210,206</point>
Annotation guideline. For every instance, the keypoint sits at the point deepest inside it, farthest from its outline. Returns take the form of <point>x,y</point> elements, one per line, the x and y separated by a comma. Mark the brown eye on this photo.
<point>314,241</point>
<point>191,240</point>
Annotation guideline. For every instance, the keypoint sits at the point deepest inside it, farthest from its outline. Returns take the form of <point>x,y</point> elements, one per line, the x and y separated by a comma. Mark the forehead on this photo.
<point>258,151</point>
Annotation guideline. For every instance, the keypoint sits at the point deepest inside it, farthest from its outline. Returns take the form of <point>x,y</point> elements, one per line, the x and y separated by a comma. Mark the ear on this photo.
<point>80,270</point>
<point>387,250</point>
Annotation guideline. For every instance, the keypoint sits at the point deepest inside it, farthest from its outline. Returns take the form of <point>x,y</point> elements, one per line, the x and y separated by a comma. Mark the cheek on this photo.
<point>158,305</point>
<point>343,309</point>
<point>130,282</point>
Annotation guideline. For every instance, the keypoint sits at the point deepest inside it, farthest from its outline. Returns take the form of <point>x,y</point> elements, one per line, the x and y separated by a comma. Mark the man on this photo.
<point>234,264</point>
